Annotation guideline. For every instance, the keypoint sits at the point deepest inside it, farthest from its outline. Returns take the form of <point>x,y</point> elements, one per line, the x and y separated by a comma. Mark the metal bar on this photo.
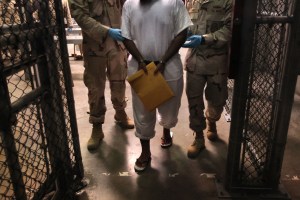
<point>61,161</point>
<point>274,19</point>
<point>11,70</point>
<point>47,185</point>
<point>7,29</point>
<point>9,143</point>
<point>27,99</point>
<point>13,38</point>
<point>14,167</point>
<point>235,45</point>
<point>246,17</point>
<point>70,97</point>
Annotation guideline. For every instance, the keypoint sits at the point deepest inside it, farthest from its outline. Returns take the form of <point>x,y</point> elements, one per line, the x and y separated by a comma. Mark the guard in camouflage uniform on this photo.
<point>104,56</point>
<point>206,66</point>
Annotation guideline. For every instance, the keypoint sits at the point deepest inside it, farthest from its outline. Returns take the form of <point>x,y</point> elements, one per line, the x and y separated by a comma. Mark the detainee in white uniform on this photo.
<point>152,30</point>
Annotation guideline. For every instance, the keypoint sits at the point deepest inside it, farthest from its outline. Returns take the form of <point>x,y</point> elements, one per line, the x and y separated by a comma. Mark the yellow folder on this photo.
<point>152,89</point>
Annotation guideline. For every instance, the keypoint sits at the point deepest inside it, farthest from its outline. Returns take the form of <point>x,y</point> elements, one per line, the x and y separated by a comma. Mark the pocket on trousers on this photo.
<point>216,90</point>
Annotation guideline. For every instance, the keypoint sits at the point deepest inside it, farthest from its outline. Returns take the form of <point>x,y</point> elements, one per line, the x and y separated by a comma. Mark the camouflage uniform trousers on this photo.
<point>214,87</point>
<point>98,67</point>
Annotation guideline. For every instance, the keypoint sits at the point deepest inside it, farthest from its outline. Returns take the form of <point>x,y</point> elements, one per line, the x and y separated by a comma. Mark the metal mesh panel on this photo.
<point>228,105</point>
<point>31,144</point>
<point>5,179</point>
<point>265,75</point>
<point>66,115</point>
<point>39,144</point>
<point>273,7</point>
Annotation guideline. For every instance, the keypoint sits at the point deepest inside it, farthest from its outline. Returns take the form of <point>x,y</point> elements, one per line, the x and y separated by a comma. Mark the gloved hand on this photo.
<point>115,34</point>
<point>193,41</point>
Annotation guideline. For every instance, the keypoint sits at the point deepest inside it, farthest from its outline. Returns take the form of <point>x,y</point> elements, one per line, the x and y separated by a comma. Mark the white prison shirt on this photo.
<point>152,28</point>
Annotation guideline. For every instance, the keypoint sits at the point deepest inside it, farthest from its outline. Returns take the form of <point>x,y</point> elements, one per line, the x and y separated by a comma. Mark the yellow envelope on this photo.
<point>152,90</point>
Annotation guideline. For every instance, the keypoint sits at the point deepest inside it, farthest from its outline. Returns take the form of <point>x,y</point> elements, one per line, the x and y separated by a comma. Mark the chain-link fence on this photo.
<point>39,144</point>
<point>255,137</point>
<point>228,105</point>
<point>266,70</point>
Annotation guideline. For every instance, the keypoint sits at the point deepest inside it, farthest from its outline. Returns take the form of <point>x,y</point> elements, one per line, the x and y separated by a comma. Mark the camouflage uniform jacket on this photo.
<point>95,17</point>
<point>212,19</point>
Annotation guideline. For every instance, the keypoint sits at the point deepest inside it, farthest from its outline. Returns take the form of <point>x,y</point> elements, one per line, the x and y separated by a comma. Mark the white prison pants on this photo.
<point>167,113</point>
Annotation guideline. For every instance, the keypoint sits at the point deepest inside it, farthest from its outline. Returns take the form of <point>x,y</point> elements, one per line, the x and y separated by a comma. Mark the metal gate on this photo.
<point>264,60</point>
<point>39,144</point>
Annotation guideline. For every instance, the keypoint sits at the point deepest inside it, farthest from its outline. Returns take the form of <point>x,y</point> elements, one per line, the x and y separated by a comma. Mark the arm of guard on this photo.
<point>223,35</point>
<point>80,12</point>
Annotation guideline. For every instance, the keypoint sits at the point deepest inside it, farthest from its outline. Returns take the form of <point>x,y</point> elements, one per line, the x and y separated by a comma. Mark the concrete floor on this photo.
<point>110,173</point>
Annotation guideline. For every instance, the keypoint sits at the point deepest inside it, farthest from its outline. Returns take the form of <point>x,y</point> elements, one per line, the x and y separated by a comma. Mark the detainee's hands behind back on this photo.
<point>160,68</point>
<point>142,65</point>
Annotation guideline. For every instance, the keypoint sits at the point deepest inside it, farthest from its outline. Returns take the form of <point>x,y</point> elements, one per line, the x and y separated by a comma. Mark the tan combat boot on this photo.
<point>123,120</point>
<point>212,134</point>
<point>197,146</point>
<point>96,137</point>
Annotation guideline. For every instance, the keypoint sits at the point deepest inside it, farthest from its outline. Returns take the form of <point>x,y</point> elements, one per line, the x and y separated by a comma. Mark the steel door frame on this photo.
<point>47,99</point>
<point>246,22</point>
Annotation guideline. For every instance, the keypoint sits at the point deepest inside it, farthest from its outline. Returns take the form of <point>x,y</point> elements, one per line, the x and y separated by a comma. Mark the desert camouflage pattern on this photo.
<point>103,57</point>
<point>211,18</point>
